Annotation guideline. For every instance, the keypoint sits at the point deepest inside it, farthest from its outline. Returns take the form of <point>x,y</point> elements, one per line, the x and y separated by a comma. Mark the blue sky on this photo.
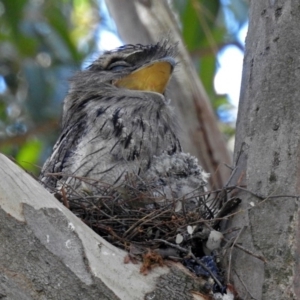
<point>228,76</point>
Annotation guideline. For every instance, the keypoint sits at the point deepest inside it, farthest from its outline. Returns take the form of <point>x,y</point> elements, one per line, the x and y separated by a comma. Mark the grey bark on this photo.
<point>267,153</point>
<point>46,252</point>
<point>146,22</point>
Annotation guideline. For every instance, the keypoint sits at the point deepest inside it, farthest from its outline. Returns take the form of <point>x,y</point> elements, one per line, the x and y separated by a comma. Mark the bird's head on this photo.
<point>127,71</point>
<point>136,67</point>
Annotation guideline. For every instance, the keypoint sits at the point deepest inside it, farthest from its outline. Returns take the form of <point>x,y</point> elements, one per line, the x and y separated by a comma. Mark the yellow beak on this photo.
<point>153,77</point>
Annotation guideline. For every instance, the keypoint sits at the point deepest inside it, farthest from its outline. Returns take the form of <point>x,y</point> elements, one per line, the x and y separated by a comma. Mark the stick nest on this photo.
<point>134,212</point>
<point>136,217</point>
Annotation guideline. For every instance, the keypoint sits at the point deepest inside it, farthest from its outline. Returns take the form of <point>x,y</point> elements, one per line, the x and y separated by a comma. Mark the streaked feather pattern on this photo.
<point>108,131</point>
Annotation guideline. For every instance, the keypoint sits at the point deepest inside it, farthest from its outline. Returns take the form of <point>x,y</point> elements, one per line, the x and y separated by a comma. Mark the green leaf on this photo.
<point>14,13</point>
<point>219,100</point>
<point>3,115</point>
<point>198,20</point>
<point>207,73</point>
<point>61,27</point>
<point>29,154</point>
<point>14,20</point>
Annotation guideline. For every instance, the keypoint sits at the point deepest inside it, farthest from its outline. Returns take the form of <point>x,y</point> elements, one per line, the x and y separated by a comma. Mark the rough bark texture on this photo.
<point>46,252</point>
<point>146,22</point>
<point>267,153</point>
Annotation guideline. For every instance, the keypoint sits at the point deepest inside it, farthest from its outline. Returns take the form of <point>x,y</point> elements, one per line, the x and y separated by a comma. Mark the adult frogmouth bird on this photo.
<point>117,120</point>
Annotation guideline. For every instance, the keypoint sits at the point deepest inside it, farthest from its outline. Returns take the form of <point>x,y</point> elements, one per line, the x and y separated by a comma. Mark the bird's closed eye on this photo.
<point>118,65</point>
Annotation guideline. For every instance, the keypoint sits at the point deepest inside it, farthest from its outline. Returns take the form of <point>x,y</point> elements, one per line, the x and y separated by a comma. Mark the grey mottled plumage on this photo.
<point>109,130</point>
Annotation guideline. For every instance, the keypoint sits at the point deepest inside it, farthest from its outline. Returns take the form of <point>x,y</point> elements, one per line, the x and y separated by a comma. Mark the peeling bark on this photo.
<point>46,252</point>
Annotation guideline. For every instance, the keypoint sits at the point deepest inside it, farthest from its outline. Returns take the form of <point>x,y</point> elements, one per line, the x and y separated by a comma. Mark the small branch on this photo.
<point>65,198</point>
<point>231,175</point>
<point>244,285</point>
<point>264,198</point>
<point>183,250</point>
<point>230,253</point>
<point>247,251</point>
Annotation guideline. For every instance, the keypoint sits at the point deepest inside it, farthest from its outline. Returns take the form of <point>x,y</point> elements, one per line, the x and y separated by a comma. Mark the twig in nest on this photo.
<point>244,285</point>
<point>139,222</point>
<point>230,230</point>
<point>265,198</point>
<point>260,257</point>
<point>64,198</point>
<point>229,167</point>
<point>230,254</point>
<point>183,250</point>
<point>111,232</point>
<point>231,175</point>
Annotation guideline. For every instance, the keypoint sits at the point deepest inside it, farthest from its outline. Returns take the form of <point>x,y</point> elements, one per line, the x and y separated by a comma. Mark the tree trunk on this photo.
<point>148,21</point>
<point>267,154</point>
<point>46,252</point>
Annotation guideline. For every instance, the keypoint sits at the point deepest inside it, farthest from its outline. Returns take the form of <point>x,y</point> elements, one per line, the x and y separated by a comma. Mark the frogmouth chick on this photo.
<point>117,120</point>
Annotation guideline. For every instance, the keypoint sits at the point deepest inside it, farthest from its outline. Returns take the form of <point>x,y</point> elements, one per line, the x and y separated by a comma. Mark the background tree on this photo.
<point>45,251</point>
<point>267,155</point>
